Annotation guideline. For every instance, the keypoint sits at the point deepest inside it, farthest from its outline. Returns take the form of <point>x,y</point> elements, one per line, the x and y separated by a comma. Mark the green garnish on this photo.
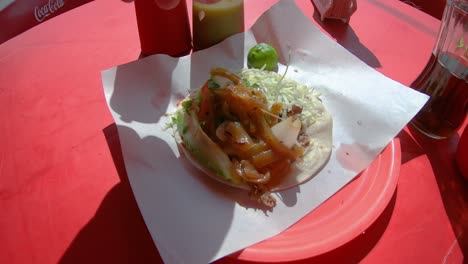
<point>249,84</point>
<point>186,105</point>
<point>212,84</point>
<point>460,43</point>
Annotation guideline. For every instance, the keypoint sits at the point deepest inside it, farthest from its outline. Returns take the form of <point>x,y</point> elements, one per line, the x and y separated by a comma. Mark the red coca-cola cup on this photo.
<point>163,26</point>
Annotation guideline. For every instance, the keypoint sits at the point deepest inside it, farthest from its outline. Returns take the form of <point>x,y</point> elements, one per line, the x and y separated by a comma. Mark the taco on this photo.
<point>255,130</point>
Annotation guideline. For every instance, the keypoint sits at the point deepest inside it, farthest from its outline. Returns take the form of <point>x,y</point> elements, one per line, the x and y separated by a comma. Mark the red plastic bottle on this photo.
<point>163,26</point>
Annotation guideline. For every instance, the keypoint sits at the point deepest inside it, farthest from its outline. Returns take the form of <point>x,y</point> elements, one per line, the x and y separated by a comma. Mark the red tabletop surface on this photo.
<point>64,192</point>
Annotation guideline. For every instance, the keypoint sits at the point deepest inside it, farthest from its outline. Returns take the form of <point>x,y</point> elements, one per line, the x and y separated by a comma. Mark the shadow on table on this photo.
<point>384,5</point>
<point>345,36</point>
<point>117,232</point>
<point>452,186</point>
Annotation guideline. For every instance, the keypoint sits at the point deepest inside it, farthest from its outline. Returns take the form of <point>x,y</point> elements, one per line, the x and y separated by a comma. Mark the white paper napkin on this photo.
<point>194,219</point>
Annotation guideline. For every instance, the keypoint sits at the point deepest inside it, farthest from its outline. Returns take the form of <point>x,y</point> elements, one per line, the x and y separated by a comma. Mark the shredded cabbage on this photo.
<point>285,91</point>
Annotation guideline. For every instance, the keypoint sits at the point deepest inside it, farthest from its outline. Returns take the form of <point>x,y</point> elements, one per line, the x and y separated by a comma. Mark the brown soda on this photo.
<point>445,81</point>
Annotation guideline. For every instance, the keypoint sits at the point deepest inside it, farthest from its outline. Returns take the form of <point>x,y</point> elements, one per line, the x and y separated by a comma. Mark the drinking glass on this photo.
<point>445,76</point>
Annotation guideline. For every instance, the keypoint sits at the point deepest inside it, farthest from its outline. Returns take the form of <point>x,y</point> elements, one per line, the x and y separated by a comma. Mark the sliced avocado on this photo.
<point>202,148</point>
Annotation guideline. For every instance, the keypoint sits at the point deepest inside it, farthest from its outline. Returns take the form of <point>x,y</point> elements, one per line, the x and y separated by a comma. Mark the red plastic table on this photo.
<point>64,193</point>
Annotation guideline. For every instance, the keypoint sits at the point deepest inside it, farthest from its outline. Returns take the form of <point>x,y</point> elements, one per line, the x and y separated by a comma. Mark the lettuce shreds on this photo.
<point>285,91</point>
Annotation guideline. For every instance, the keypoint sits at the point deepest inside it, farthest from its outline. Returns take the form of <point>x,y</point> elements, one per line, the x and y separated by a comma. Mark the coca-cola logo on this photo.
<point>40,13</point>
